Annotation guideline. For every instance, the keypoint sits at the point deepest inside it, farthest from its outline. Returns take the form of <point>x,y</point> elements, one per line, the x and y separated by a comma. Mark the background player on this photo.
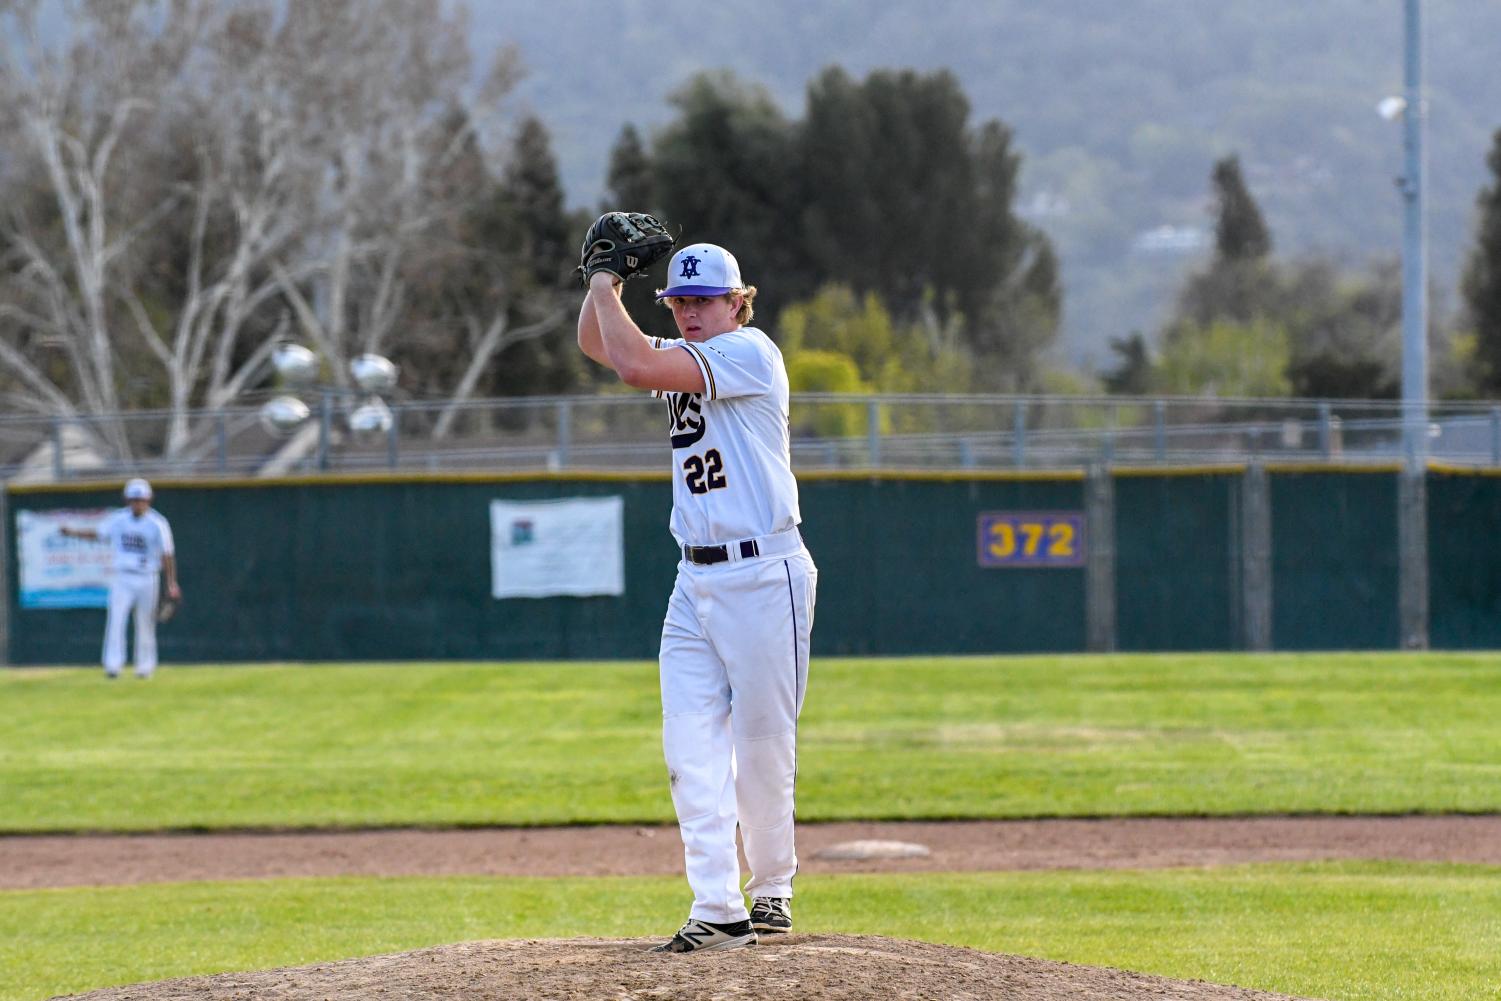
<point>734,654</point>
<point>141,541</point>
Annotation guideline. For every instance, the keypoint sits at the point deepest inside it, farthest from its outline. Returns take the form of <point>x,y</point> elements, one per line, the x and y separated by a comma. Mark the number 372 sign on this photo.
<point>1031,539</point>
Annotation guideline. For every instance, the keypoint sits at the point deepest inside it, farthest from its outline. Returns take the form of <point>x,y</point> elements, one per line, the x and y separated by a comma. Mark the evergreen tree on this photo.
<point>1019,321</point>
<point>903,198</point>
<point>725,174</point>
<point>630,184</point>
<point>890,190</point>
<point>883,186</point>
<point>453,282</point>
<point>631,187</point>
<point>533,198</point>
<point>1240,233</point>
<point>1132,375</point>
<point>543,253</point>
<point>1482,278</point>
<point>1345,330</point>
<point>1241,282</point>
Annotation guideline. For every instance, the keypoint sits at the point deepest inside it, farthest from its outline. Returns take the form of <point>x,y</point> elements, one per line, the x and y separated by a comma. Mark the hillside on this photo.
<point>1120,107</point>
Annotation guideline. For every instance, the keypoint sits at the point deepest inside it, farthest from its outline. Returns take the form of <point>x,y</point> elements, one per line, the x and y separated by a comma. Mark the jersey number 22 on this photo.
<point>706,473</point>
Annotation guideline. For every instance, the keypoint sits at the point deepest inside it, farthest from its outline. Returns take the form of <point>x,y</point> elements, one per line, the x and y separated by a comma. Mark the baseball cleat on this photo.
<point>706,936</point>
<point>771,914</point>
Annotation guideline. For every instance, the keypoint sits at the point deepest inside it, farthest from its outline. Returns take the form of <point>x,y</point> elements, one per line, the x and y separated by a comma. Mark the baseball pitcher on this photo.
<point>734,652</point>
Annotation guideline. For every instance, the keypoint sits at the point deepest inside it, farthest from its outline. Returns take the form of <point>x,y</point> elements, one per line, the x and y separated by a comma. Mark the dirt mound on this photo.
<point>801,967</point>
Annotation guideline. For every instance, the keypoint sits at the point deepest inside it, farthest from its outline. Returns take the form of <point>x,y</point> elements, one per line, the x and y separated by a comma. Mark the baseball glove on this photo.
<point>166,608</point>
<point>625,244</point>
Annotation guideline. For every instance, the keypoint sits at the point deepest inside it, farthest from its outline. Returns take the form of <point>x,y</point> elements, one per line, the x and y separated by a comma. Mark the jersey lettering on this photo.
<point>705,474</point>
<point>687,414</point>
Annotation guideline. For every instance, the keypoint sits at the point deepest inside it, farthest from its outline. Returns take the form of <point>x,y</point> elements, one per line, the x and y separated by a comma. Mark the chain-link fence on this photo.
<point>829,431</point>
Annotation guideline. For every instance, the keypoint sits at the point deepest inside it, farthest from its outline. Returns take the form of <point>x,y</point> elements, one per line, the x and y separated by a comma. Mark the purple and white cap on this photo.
<point>702,269</point>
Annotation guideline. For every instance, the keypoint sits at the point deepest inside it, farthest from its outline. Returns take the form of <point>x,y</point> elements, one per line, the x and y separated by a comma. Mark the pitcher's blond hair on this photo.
<point>742,315</point>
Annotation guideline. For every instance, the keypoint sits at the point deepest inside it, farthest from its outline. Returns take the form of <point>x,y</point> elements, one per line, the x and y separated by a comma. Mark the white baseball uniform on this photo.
<point>138,545</point>
<point>734,655</point>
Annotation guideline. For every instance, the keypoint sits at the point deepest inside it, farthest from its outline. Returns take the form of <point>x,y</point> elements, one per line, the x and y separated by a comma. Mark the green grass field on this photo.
<point>1341,930</point>
<point>445,744</point>
<point>982,737</point>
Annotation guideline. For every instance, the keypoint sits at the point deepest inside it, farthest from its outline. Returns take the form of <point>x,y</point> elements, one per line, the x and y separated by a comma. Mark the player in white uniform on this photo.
<point>141,541</point>
<point>734,654</point>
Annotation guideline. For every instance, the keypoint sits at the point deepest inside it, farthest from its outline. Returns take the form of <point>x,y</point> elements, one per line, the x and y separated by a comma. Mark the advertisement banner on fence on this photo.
<point>55,572</point>
<point>543,549</point>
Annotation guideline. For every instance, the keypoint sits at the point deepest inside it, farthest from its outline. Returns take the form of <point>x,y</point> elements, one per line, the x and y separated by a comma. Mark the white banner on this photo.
<point>574,547</point>
<point>56,572</point>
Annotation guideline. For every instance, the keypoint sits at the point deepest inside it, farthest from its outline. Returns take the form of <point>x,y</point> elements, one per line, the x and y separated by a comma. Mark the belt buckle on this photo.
<point>705,556</point>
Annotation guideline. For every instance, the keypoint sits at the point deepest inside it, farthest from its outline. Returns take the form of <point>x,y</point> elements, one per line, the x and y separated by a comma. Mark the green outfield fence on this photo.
<point>397,566</point>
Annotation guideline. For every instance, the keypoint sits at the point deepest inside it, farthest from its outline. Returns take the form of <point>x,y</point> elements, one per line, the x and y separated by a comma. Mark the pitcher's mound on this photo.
<point>802,967</point>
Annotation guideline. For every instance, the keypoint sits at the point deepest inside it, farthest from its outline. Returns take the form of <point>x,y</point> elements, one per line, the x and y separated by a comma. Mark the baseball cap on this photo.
<point>138,489</point>
<point>702,269</point>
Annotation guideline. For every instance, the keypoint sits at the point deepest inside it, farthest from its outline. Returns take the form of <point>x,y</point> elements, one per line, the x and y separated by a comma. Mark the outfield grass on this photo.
<point>1342,931</point>
<point>445,744</point>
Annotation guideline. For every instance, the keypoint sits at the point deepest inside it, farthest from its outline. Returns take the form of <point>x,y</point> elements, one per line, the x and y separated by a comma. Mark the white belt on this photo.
<point>783,543</point>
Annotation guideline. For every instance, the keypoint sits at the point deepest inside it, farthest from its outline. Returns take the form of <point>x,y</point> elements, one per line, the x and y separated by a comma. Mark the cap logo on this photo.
<point>690,267</point>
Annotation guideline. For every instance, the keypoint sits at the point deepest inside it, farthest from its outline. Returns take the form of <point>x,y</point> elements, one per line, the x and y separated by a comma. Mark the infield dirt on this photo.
<point>35,861</point>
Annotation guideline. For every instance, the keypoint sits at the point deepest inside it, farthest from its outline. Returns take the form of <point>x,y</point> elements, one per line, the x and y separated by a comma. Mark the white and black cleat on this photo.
<point>771,914</point>
<point>706,936</point>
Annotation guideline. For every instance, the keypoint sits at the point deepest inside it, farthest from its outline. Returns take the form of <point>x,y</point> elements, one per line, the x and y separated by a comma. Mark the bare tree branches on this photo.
<point>195,177</point>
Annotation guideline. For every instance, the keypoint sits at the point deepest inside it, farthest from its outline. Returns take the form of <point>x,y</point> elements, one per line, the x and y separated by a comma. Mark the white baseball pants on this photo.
<point>131,592</point>
<point>734,668</point>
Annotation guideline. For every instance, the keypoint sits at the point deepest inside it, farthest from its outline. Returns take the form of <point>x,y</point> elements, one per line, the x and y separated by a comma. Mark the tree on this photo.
<point>903,198</point>
<point>836,320</point>
<point>1344,329</point>
<point>630,184</point>
<point>725,173</point>
<point>1240,234</point>
<point>1020,319</point>
<point>814,370</point>
<point>631,187</point>
<point>1241,282</point>
<point>1133,373</point>
<point>1482,277</point>
<point>883,186</point>
<point>541,262</point>
<point>883,356</point>
<point>203,177</point>
<point>479,285</point>
<point>887,171</point>
<point>1210,343</point>
<point>1226,359</point>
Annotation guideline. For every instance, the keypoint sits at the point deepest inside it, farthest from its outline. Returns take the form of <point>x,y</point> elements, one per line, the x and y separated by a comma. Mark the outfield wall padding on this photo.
<point>1464,560</point>
<point>1334,561</point>
<point>398,568</point>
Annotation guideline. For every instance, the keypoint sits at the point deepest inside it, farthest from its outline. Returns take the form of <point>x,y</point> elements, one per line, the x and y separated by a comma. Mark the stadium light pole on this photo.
<point>1414,249</point>
<point>1412,504</point>
<point>1412,493</point>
